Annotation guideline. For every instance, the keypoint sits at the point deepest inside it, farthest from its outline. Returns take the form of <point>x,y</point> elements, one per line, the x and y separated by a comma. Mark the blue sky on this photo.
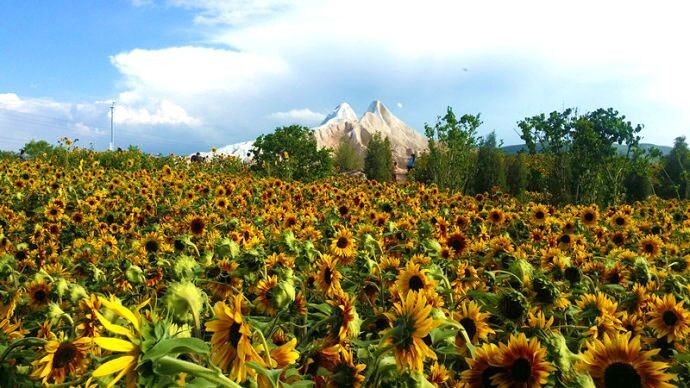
<point>188,75</point>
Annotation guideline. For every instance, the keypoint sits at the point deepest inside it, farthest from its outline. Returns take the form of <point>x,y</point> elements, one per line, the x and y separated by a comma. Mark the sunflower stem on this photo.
<point>21,342</point>
<point>198,371</point>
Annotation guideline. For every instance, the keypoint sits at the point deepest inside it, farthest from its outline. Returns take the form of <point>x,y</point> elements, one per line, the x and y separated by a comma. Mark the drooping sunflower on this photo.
<point>62,358</point>
<point>523,363</point>
<point>475,322</point>
<point>458,242</point>
<point>346,320</point>
<point>412,278</point>
<point>328,278</point>
<point>345,372</point>
<point>196,224</point>
<point>265,292</point>
<point>410,323</point>
<point>619,361</point>
<point>231,347</point>
<point>668,318</point>
<point>496,216</point>
<point>343,246</point>
<point>482,367</point>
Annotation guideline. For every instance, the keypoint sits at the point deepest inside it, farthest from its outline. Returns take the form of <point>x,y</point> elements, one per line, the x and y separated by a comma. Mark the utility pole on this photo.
<point>112,134</point>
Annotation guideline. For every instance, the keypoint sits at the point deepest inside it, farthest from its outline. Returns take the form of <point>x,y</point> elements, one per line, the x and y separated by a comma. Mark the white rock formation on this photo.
<point>343,122</point>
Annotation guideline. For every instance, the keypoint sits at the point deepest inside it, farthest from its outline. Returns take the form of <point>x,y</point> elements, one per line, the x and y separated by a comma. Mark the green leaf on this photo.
<point>176,346</point>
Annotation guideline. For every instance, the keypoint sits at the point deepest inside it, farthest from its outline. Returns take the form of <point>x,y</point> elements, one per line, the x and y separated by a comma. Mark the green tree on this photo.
<point>291,153</point>
<point>516,178</point>
<point>378,161</point>
<point>675,174</point>
<point>346,158</point>
<point>452,142</point>
<point>490,170</point>
<point>36,148</point>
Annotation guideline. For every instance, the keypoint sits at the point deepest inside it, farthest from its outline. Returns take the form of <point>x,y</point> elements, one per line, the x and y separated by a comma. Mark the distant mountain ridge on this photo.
<point>514,149</point>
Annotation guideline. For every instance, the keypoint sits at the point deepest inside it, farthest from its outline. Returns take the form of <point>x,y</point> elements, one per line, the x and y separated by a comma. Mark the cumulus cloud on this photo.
<point>399,105</point>
<point>163,113</point>
<point>298,116</point>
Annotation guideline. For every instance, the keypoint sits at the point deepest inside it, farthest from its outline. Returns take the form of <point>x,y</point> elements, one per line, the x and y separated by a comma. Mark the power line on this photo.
<point>112,132</point>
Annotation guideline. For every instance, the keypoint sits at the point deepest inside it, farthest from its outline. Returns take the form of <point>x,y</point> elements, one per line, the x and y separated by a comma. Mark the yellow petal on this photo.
<point>115,344</point>
<point>115,365</point>
<point>113,328</point>
<point>122,311</point>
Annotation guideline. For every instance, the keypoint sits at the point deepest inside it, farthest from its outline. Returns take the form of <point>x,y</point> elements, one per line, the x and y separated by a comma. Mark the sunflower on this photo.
<point>347,322</point>
<point>126,364</point>
<point>410,323</point>
<point>62,358</point>
<point>154,243</point>
<point>196,224</point>
<point>345,372</point>
<point>589,216</point>
<point>264,301</point>
<point>458,242</point>
<point>496,216</point>
<point>53,212</point>
<point>39,292</point>
<point>523,363</point>
<point>669,318</point>
<point>231,347</point>
<point>475,322</point>
<point>343,246</point>
<point>482,367</point>
<point>538,214</point>
<point>620,220</point>
<point>328,278</point>
<point>650,246</point>
<point>412,278</point>
<point>619,361</point>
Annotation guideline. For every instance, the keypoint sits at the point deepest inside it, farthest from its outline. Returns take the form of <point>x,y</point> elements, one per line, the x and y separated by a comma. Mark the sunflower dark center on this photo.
<point>416,283</point>
<point>64,354</point>
<point>234,335</point>
<point>40,295</point>
<point>589,217</point>
<point>197,226</point>
<point>649,248</point>
<point>620,374</point>
<point>618,239</point>
<point>565,239</point>
<point>487,374</point>
<point>495,216</point>
<point>511,307</point>
<point>470,326</point>
<point>328,275</point>
<point>151,246</point>
<point>620,221</point>
<point>670,318</point>
<point>457,242</point>
<point>539,215</point>
<point>342,243</point>
<point>521,370</point>
<point>345,376</point>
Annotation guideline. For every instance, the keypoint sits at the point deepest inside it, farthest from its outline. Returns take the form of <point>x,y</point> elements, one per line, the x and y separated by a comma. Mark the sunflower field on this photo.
<point>159,273</point>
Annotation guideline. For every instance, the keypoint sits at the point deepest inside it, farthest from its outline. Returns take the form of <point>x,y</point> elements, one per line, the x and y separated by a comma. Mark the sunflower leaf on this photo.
<point>175,346</point>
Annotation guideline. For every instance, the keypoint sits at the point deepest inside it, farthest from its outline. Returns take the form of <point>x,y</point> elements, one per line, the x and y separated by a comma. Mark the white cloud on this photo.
<point>298,116</point>
<point>162,113</point>
<point>82,129</point>
<point>399,105</point>
<point>213,12</point>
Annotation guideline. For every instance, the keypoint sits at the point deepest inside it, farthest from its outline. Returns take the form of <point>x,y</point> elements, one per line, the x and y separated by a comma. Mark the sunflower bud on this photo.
<point>184,301</point>
<point>61,287</point>
<point>522,269</point>
<point>135,275</point>
<point>432,247</point>
<point>283,294</point>
<point>185,267</point>
<point>55,314</point>
<point>77,292</point>
<point>227,248</point>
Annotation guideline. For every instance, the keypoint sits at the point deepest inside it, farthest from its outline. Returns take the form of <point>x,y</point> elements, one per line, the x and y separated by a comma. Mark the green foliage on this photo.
<point>582,164</point>
<point>378,161</point>
<point>36,148</point>
<point>675,172</point>
<point>451,160</point>
<point>346,158</point>
<point>490,171</point>
<point>291,153</point>
<point>516,178</point>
